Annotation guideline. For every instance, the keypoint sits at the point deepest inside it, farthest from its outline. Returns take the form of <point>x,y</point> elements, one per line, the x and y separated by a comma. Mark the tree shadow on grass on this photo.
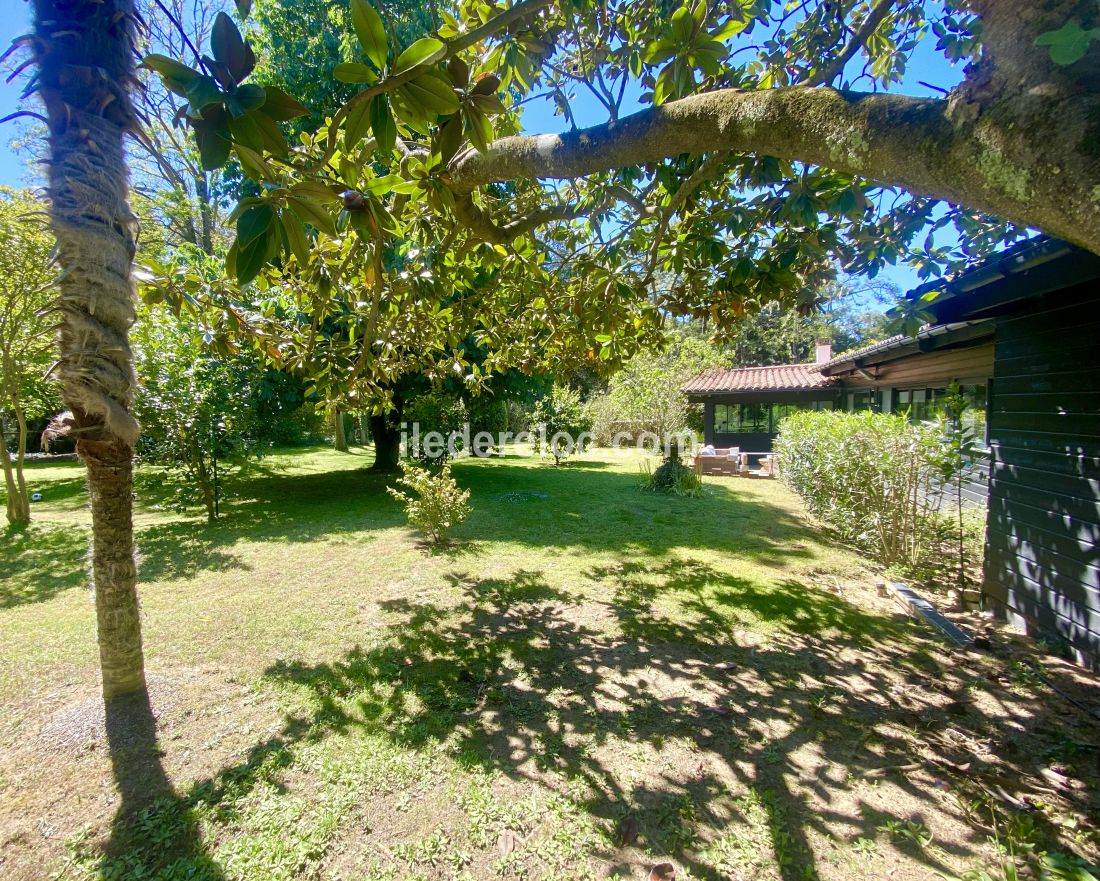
<point>524,682</point>
<point>756,744</point>
<point>154,832</point>
<point>38,562</point>
<point>577,510</point>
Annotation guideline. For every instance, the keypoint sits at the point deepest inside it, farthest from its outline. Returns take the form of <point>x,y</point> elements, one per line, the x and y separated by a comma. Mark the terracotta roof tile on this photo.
<point>784,377</point>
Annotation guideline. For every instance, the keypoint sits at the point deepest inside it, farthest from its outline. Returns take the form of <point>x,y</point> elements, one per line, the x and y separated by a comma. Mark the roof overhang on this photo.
<point>928,339</point>
<point>1028,270</point>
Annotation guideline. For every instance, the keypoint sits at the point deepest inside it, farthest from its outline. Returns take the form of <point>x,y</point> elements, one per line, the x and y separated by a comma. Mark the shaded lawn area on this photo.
<point>591,679</point>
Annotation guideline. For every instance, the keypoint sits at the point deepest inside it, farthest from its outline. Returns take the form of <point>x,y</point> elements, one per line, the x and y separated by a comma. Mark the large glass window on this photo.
<point>759,418</point>
<point>923,404</point>
<point>864,399</point>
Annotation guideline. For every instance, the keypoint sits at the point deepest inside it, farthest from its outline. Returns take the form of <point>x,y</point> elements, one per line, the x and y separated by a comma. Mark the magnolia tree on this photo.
<point>772,140</point>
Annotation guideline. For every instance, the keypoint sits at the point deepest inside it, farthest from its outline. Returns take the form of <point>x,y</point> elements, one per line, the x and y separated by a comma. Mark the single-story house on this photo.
<point>742,407</point>
<point>1020,333</point>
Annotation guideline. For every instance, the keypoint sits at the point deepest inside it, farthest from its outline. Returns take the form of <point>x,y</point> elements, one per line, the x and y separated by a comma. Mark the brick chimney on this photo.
<point>824,352</point>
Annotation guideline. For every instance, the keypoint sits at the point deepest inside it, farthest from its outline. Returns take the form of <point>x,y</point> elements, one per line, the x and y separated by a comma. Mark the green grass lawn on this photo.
<point>589,680</point>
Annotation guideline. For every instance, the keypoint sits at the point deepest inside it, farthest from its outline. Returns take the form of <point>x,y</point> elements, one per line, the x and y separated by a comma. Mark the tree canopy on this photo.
<point>773,146</point>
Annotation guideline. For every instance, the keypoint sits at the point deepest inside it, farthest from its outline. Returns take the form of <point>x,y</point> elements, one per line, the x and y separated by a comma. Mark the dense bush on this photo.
<point>437,504</point>
<point>561,426</point>
<point>487,414</point>
<point>435,411</point>
<point>873,477</point>
<point>201,413</point>
<point>672,476</point>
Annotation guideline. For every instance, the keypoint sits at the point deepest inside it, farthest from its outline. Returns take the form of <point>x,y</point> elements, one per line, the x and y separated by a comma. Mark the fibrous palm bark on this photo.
<point>84,50</point>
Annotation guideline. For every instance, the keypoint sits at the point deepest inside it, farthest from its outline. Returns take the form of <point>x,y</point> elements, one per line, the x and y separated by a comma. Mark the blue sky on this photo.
<point>15,15</point>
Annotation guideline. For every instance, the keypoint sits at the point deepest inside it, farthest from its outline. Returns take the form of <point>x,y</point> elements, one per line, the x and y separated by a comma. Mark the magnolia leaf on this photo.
<point>628,830</point>
<point>356,125</point>
<point>480,129</point>
<point>390,183</point>
<point>245,131</point>
<point>371,32</point>
<point>350,72</point>
<point>176,76</point>
<point>296,237</point>
<point>247,97</point>
<point>273,139</point>
<point>490,105</point>
<point>253,163</point>
<point>508,841</point>
<point>459,72</point>
<point>253,223</point>
<point>315,189</point>
<point>432,92</point>
<point>214,144</point>
<point>280,106</point>
<point>250,258</point>
<point>382,124</point>
<point>229,48</point>
<point>203,92</point>
<point>449,139</point>
<point>426,50</point>
<point>486,84</point>
<point>313,214</point>
<point>409,110</point>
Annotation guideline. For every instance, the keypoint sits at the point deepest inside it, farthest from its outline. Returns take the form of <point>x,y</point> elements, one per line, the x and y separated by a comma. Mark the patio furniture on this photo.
<point>724,460</point>
<point>733,462</point>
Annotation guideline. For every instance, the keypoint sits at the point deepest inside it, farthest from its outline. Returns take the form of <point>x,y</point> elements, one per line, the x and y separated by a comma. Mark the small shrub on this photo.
<point>672,476</point>
<point>438,503</point>
<point>563,425</point>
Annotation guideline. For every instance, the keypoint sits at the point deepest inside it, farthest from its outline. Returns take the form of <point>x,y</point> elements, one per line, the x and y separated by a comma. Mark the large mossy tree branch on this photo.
<point>982,158</point>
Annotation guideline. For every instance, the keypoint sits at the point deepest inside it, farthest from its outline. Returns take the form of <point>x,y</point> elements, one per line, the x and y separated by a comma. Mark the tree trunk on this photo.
<point>18,505</point>
<point>204,480</point>
<point>84,50</point>
<point>364,429</point>
<point>340,434</point>
<point>385,431</point>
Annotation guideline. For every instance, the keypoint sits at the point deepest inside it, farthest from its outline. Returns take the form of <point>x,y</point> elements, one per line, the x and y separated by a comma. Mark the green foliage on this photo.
<point>645,395</point>
<point>1069,43</point>
<point>435,411</point>
<point>870,476</point>
<point>374,263</point>
<point>26,346</point>
<point>195,407</point>
<point>436,504</point>
<point>561,425</point>
<point>487,414</point>
<point>672,476</point>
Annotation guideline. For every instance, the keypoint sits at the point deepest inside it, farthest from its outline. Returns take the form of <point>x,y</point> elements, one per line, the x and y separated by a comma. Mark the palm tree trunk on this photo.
<point>84,52</point>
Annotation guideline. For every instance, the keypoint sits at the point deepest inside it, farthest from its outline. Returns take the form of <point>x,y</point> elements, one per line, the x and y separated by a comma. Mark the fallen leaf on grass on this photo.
<point>627,833</point>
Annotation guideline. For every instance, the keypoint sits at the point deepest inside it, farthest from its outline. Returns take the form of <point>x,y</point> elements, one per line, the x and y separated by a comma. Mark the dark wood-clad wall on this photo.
<point>1042,566</point>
